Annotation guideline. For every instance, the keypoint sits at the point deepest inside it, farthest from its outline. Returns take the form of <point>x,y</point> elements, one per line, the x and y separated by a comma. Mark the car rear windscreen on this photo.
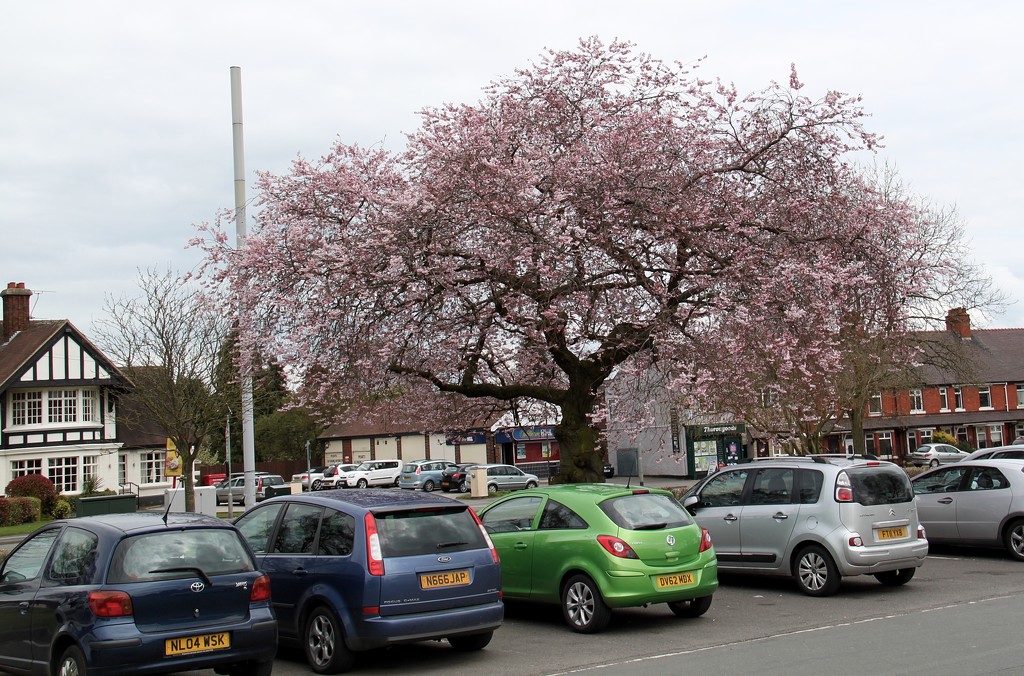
<point>646,511</point>
<point>428,531</point>
<point>179,553</point>
<point>880,484</point>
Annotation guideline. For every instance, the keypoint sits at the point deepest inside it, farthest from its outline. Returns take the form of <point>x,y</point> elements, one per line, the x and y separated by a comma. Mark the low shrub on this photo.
<point>63,509</point>
<point>18,510</point>
<point>35,486</point>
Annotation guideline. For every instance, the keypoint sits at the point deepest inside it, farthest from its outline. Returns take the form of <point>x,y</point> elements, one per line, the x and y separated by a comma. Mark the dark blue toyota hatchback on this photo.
<point>359,569</point>
<point>135,594</point>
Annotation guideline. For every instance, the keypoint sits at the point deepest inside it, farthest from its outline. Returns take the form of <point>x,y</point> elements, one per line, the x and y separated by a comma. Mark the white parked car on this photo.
<point>334,477</point>
<point>375,473</point>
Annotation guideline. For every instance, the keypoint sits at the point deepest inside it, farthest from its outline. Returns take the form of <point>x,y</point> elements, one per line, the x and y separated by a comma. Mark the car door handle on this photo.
<point>301,572</point>
<point>780,515</point>
<point>520,545</point>
<point>945,501</point>
<point>23,607</point>
<point>730,517</point>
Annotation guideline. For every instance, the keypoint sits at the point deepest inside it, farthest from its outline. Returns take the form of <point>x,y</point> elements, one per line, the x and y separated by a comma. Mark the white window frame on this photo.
<point>884,439</point>
<point>90,466</point>
<point>916,401</point>
<point>875,404</point>
<point>984,397</point>
<point>943,400</point>
<point>1020,396</point>
<point>151,467</point>
<point>995,434</point>
<point>958,398</point>
<point>63,472</point>
<point>26,467</point>
<point>53,407</point>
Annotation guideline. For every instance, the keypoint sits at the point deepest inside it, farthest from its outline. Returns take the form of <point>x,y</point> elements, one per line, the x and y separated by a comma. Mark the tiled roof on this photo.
<point>990,355</point>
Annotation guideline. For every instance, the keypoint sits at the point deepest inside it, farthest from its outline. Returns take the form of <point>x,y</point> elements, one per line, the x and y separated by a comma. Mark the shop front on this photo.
<point>709,447</point>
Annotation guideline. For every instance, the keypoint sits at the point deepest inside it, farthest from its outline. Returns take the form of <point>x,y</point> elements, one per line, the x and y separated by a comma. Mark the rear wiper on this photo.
<point>186,569</point>
<point>651,526</point>
<point>445,545</point>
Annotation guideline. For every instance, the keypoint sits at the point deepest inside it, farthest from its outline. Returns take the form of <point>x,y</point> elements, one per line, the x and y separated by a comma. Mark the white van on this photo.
<point>375,473</point>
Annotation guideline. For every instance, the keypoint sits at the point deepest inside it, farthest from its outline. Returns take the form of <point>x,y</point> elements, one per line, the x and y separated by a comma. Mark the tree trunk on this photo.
<point>857,431</point>
<point>577,443</point>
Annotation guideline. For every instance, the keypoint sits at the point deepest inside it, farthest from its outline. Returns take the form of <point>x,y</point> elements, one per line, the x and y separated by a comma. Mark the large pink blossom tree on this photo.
<point>598,207</point>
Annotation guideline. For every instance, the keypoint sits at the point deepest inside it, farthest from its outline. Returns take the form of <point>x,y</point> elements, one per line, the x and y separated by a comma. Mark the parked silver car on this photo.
<point>974,503</point>
<point>507,478</point>
<point>934,455</point>
<point>310,478</point>
<point>813,519</point>
<point>233,489</point>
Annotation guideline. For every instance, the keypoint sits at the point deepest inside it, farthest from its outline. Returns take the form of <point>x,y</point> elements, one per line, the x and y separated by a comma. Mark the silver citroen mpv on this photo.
<point>813,519</point>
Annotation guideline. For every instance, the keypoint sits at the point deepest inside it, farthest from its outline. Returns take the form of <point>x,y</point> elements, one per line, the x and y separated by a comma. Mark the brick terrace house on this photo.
<point>58,400</point>
<point>986,412</point>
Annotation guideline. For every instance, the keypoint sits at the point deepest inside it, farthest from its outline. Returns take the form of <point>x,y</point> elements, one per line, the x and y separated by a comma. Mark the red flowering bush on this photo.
<point>34,486</point>
<point>14,511</point>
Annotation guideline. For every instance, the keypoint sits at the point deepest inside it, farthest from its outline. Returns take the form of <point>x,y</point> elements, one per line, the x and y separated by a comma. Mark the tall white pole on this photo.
<point>248,440</point>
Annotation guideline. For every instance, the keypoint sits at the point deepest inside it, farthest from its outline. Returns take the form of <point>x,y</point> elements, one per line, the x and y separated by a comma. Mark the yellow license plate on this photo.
<point>202,643</point>
<point>892,533</point>
<point>454,578</point>
<point>677,580</point>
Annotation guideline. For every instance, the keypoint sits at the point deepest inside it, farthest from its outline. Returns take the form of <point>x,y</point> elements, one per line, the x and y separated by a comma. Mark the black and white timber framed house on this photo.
<point>58,401</point>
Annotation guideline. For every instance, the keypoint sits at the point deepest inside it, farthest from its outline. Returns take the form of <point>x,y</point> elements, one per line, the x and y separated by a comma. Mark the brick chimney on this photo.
<point>959,322</point>
<point>15,308</point>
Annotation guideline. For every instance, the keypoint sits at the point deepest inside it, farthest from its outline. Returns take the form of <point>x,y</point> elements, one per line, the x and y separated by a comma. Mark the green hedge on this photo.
<point>14,511</point>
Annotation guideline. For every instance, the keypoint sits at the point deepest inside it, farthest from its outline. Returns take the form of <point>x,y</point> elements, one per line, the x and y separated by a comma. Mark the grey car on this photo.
<point>974,503</point>
<point>812,519</point>
<point>233,489</point>
<point>507,478</point>
<point>934,455</point>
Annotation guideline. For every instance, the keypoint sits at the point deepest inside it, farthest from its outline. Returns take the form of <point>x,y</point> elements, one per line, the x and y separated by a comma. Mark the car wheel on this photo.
<point>326,651</point>
<point>934,462</point>
<point>361,483</point>
<point>316,485</point>
<point>1015,540</point>
<point>815,572</point>
<point>428,486</point>
<point>467,644</point>
<point>894,578</point>
<point>531,484</point>
<point>464,487</point>
<point>582,606</point>
<point>397,479</point>
<point>492,488</point>
<point>691,608</point>
<point>72,663</point>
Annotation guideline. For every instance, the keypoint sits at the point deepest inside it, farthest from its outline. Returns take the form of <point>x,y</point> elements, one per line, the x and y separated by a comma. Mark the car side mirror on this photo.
<point>691,502</point>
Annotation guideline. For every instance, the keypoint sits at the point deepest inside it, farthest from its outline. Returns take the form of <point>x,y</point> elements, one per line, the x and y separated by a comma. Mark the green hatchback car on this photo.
<point>594,547</point>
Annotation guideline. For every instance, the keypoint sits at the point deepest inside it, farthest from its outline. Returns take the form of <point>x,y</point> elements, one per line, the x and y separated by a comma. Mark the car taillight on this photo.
<point>419,469</point>
<point>260,589</point>
<point>487,538</point>
<point>110,604</point>
<point>617,547</point>
<point>844,490</point>
<point>374,556</point>
<point>705,540</point>
<point>920,533</point>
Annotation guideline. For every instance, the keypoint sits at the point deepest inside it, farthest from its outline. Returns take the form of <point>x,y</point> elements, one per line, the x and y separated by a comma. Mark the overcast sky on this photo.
<point>115,117</point>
